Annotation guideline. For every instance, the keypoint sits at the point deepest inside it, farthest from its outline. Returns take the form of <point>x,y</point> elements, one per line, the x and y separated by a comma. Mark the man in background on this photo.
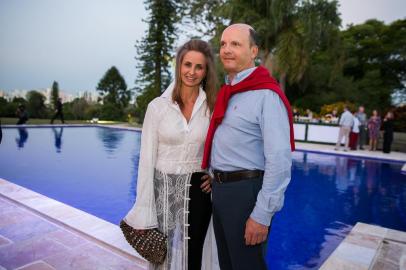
<point>362,136</point>
<point>346,123</point>
<point>58,111</point>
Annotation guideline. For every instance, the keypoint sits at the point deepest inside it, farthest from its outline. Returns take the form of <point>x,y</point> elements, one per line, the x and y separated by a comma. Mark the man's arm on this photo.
<point>278,161</point>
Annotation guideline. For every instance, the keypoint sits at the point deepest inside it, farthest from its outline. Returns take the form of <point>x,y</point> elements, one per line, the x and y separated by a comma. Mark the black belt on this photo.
<point>224,177</point>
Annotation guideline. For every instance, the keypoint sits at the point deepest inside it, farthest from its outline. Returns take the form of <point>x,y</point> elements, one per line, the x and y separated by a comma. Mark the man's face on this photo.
<point>236,54</point>
<point>361,109</point>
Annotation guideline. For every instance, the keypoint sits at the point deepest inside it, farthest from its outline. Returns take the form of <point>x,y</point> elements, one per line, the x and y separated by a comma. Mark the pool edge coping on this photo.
<point>89,226</point>
<point>361,248</point>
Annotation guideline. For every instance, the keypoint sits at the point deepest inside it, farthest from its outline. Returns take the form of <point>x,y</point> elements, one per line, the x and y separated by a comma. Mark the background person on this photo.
<point>363,130</point>
<point>346,123</point>
<point>58,111</point>
<point>172,190</point>
<point>374,125</point>
<point>387,132</point>
<point>22,115</point>
<point>354,134</point>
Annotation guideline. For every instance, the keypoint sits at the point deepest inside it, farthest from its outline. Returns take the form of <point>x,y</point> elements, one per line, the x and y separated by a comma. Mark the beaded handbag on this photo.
<point>151,244</point>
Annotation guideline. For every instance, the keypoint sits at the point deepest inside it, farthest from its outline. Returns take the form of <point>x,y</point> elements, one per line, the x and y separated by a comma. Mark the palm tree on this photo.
<point>290,30</point>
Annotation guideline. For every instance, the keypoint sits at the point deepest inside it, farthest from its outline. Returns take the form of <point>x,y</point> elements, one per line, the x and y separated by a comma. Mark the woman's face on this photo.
<point>193,68</point>
<point>375,113</point>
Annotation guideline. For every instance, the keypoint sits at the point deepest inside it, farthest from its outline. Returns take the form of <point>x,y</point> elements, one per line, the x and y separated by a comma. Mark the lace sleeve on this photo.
<point>143,213</point>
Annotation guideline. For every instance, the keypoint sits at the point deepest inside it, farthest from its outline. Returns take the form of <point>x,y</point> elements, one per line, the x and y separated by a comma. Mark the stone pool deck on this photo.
<point>37,232</point>
<point>369,247</point>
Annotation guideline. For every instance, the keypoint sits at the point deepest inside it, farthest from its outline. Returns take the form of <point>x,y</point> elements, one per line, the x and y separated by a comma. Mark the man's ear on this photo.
<point>254,51</point>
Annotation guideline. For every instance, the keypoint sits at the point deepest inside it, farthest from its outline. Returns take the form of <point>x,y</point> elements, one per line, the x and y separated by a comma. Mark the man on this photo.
<point>248,146</point>
<point>346,123</point>
<point>22,115</point>
<point>58,111</point>
<point>362,117</point>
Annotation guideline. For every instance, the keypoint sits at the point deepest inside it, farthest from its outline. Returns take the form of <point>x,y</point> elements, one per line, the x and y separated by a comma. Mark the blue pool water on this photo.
<point>95,169</point>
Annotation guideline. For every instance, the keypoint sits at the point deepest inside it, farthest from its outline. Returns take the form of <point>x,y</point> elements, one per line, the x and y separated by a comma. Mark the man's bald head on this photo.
<point>252,34</point>
<point>238,48</point>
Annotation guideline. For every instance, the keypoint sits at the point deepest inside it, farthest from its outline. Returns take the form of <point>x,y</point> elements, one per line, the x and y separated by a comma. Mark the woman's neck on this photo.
<point>189,94</point>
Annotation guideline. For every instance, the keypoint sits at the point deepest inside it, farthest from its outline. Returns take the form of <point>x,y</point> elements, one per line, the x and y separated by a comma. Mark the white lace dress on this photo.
<point>171,150</point>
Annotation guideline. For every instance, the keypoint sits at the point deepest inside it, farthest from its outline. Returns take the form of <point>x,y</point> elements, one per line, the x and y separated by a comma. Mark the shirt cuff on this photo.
<point>261,216</point>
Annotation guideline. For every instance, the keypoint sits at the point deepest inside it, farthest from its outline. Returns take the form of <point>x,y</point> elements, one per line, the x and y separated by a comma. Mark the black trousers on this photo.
<point>232,205</point>
<point>58,115</point>
<point>387,142</point>
<point>199,219</point>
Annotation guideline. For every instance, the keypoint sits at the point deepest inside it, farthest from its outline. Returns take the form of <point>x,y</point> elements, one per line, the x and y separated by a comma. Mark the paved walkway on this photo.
<point>329,149</point>
<point>31,242</point>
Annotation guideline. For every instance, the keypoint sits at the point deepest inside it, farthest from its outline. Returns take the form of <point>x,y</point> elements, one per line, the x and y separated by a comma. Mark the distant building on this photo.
<point>90,96</point>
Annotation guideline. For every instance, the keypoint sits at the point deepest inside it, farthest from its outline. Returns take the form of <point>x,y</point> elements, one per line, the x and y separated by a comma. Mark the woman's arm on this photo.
<point>143,213</point>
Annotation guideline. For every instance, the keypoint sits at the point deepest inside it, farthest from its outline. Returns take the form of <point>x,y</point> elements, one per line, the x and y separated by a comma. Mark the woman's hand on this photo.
<point>206,185</point>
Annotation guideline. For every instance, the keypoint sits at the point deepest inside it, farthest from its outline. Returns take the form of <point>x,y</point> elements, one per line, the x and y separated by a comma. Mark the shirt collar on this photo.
<point>240,76</point>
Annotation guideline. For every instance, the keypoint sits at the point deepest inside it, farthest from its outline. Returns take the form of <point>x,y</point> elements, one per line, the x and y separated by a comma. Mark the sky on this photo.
<point>74,42</point>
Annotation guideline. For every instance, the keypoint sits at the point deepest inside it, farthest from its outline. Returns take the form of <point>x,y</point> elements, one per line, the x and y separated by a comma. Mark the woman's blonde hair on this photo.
<point>209,83</point>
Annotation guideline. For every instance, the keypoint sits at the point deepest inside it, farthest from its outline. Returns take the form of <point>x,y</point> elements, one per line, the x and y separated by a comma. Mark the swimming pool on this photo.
<point>94,169</point>
<point>90,168</point>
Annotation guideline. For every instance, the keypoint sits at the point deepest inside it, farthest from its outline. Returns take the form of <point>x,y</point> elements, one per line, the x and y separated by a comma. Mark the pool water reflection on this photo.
<point>95,170</point>
<point>328,195</point>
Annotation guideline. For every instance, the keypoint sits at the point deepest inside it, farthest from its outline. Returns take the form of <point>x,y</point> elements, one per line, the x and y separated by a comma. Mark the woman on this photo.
<point>374,125</point>
<point>387,132</point>
<point>172,192</point>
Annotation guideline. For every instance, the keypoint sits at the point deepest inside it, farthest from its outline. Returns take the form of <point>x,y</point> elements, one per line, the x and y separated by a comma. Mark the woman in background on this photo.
<point>173,194</point>
<point>374,125</point>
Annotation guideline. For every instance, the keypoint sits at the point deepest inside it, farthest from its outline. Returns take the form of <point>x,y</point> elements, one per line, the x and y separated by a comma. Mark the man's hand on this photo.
<point>255,233</point>
<point>206,185</point>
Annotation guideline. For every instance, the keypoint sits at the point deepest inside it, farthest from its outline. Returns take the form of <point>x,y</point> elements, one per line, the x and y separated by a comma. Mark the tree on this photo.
<point>54,93</point>
<point>154,52</point>
<point>376,61</point>
<point>289,30</point>
<point>76,109</point>
<point>3,107</point>
<point>114,92</point>
<point>36,104</point>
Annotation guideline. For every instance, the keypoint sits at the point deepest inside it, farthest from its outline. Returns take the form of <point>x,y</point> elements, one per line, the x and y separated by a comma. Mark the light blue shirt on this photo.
<point>346,119</point>
<point>255,134</point>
